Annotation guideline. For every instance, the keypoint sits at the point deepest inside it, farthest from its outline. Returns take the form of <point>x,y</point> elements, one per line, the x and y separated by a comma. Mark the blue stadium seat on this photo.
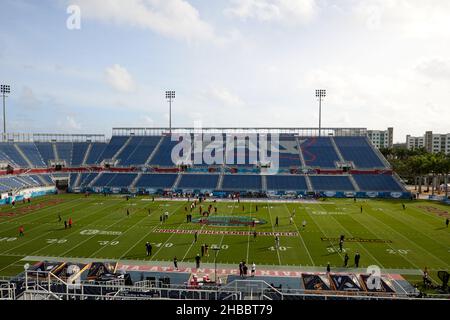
<point>241,182</point>
<point>46,151</point>
<point>138,150</point>
<point>331,183</point>
<point>96,152</point>
<point>64,150</point>
<point>122,180</point>
<point>104,179</point>
<point>165,181</point>
<point>11,153</point>
<point>86,179</point>
<point>377,182</point>
<point>78,153</point>
<point>47,178</point>
<point>112,147</point>
<point>289,155</point>
<point>72,179</point>
<point>286,182</point>
<point>358,150</point>
<point>32,153</point>
<point>319,152</point>
<point>163,157</point>
<point>198,181</point>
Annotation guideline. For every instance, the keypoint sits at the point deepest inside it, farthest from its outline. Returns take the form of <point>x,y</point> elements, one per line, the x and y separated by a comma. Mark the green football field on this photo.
<point>384,233</point>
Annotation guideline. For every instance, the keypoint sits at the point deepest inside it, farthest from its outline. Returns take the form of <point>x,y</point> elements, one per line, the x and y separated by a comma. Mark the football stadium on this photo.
<point>90,218</point>
<point>224,152</point>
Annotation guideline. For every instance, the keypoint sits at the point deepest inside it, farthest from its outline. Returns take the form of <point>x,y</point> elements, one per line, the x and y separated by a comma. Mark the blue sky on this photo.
<point>232,63</point>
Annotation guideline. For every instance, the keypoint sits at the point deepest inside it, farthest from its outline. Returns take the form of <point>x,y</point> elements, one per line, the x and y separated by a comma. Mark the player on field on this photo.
<point>341,244</point>
<point>276,221</point>
<point>70,222</point>
<point>446,222</point>
<point>175,263</point>
<point>357,258</point>
<point>128,213</point>
<point>304,224</point>
<point>291,220</point>
<point>197,261</point>
<point>403,206</point>
<point>195,236</point>
<point>148,248</point>
<point>21,231</point>
<point>253,269</point>
<point>255,234</point>
<point>361,209</point>
<point>277,241</point>
<point>59,218</point>
<point>346,260</point>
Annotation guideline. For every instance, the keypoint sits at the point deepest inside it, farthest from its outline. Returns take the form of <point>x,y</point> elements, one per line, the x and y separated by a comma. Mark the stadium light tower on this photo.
<point>320,93</point>
<point>170,95</point>
<point>4,90</point>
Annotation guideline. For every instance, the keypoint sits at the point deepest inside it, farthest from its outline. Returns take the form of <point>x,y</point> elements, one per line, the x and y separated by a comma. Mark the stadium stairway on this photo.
<point>44,182</point>
<point>77,180</point>
<point>150,157</point>
<point>30,164</point>
<point>122,147</point>
<point>308,183</point>
<point>353,181</point>
<point>55,151</point>
<point>302,158</point>
<point>177,181</point>
<point>220,182</point>
<point>95,179</point>
<point>138,176</point>
<point>338,152</point>
<point>264,182</point>
<point>86,155</point>
<point>379,154</point>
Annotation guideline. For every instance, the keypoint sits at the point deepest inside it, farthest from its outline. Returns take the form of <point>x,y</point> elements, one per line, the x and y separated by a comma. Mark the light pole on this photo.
<point>4,90</point>
<point>170,95</point>
<point>320,93</point>
<point>216,250</point>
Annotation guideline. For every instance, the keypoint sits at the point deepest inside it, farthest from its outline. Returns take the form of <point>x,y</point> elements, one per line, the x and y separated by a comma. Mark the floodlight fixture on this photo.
<point>170,95</point>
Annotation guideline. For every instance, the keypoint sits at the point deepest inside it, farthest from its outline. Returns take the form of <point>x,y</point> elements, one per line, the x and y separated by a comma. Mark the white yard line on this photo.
<point>146,235</point>
<point>301,238</point>
<point>359,244</point>
<point>412,242</point>
<point>46,233</point>
<point>167,240</point>
<point>273,230</point>
<point>248,237</point>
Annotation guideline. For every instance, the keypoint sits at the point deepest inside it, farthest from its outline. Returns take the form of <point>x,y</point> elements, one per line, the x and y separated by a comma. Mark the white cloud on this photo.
<point>225,97</point>
<point>173,18</point>
<point>285,11</point>
<point>411,18</point>
<point>71,123</point>
<point>119,78</point>
<point>434,67</point>
<point>28,99</point>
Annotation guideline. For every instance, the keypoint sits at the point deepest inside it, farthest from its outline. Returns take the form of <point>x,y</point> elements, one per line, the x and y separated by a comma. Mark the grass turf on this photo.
<point>418,237</point>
